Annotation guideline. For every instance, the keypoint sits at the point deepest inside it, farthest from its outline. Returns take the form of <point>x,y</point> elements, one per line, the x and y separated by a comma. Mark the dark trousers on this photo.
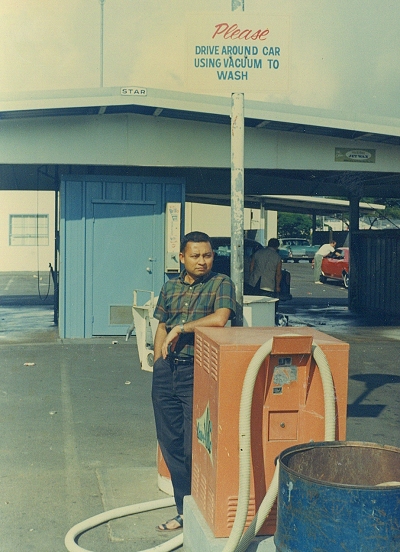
<point>172,395</point>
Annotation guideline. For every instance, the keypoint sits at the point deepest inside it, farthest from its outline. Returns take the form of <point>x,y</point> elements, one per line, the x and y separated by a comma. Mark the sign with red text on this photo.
<point>237,52</point>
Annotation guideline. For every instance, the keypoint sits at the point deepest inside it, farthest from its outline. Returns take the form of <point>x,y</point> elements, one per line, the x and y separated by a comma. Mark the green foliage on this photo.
<point>392,206</point>
<point>294,225</point>
<point>298,225</point>
<point>392,209</point>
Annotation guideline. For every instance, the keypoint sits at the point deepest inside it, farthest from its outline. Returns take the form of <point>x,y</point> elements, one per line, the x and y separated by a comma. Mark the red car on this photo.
<point>336,267</point>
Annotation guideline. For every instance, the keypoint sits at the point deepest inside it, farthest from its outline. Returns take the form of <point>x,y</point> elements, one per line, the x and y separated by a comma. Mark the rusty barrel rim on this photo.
<point>291,452</point>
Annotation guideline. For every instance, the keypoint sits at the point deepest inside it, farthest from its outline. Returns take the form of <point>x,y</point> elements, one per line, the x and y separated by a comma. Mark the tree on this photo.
<point>392,207</point>
<point>294,225</point>
<point>391,212</point>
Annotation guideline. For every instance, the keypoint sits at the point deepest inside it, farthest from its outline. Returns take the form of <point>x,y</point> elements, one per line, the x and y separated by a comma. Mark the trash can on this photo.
<point>284,294</point>
<point>339,496</point>
<point>258,310</point>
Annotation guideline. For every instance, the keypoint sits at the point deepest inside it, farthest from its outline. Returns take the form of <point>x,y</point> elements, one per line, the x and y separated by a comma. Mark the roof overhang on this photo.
<point>200,107</point>
<point>317,205</point>
<point>265,116</point>
<point>293,204</point>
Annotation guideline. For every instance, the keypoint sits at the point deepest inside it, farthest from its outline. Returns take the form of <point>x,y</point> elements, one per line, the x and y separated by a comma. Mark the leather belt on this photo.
<point>180,360</point>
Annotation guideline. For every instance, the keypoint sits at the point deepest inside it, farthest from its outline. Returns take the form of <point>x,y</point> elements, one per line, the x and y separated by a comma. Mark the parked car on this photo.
<point>298,249</point>
<point>336,267</point>
<point>285,254</point>
<point>222,263</point>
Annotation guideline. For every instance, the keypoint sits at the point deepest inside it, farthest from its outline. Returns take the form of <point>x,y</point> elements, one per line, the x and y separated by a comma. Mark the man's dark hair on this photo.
<point>274,243</point>
<point>196,237</point>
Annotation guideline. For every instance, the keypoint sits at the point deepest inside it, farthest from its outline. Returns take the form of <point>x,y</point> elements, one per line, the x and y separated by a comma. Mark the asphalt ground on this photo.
<point>78,435</point>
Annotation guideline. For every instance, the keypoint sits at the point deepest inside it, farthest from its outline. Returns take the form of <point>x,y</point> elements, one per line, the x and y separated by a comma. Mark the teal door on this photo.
<point>122,261</point>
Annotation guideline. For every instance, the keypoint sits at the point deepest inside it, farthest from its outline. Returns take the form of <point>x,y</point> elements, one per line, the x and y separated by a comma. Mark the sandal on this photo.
<point>164,526</point>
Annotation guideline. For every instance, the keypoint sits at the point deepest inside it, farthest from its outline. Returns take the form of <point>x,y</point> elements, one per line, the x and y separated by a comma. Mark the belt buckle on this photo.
<point>177,360</point>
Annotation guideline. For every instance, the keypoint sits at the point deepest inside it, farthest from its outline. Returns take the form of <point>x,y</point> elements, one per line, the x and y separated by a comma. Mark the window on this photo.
<point>29,230</point>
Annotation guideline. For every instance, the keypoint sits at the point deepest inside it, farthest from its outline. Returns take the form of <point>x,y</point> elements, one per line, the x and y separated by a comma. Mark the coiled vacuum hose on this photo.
<point>236,542</point>
<point>118,513</point>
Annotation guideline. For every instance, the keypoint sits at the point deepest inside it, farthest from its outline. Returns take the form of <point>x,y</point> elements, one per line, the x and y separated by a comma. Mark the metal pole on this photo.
<point>237,5</point>
<point>262,223</point>
<point>354,212</point>
<point>56,246</point>
<point>237,200</point>
<point>237,191</point>
<point>101,41</point>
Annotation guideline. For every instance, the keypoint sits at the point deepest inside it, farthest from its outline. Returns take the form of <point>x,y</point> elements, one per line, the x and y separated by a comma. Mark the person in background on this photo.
<point>266,269</point>
<point>322,252</point>
<point>197,298</point>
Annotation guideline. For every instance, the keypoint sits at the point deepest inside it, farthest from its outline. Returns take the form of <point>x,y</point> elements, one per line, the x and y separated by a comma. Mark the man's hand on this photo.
<point>164,341</point>
<point>170,341</point>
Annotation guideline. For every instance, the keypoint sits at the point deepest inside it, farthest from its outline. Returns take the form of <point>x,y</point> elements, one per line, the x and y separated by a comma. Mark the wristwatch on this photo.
<point>182,328</point>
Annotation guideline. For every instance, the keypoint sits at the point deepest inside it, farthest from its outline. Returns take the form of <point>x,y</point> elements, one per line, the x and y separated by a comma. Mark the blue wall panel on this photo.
<point>85,248</point>
<point>72,259</point>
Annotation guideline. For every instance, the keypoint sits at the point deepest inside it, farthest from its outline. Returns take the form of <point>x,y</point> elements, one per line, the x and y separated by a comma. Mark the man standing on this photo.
<point>266,269</point>
<point>197,298</point>
<point>322,252</point>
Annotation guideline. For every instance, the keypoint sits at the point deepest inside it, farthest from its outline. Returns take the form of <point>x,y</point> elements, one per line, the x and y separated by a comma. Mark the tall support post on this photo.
<point>237,5</point>
<point>237,200</point>
<point>102,43</point>
<point>354,221</point>
<point>354,212</point>
<point>354,225</point>
<point>56,244</point>
<point>237,191</point>
<point>314,227</point>
<point>270,225</point>
<point>262,224</point>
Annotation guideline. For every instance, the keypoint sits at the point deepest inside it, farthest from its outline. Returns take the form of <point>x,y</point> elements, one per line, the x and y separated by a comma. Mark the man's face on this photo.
<point>197,258</point>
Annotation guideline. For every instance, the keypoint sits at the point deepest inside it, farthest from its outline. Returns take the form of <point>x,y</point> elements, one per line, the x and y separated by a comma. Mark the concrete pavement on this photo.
<point>78,435</point>
<point>77,439</point>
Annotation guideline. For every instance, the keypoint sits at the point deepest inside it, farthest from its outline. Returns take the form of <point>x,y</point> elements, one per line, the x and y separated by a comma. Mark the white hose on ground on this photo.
<point>104,517</point>
<point>237,541</point>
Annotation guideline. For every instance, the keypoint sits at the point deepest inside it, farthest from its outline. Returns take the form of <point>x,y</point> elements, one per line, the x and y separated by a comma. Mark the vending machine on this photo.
<point>287,409</point>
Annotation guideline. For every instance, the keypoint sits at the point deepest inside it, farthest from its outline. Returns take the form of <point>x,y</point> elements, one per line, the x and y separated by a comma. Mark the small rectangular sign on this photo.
<point>133,91</point>
<point>354,155</point>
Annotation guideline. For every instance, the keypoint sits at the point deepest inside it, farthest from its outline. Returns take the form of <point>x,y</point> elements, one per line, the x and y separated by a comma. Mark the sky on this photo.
<point>335,54</point>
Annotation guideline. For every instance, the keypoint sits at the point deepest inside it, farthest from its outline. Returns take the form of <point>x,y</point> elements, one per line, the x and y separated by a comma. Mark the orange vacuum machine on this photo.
<point>288,409</point>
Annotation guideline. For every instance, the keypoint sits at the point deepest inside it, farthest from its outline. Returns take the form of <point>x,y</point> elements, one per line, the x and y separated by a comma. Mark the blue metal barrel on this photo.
<point>331,498</point>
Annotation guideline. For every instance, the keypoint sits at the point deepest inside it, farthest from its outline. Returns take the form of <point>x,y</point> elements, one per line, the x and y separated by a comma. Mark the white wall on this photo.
<point>127,139</point>
<point>215,220</point>
<point>19,257</point>
<point>339,56</point>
